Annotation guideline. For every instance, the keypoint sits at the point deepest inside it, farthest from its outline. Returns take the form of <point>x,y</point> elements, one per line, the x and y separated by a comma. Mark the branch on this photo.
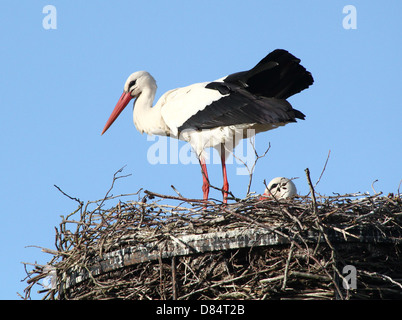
<point>311,190</point>
<point>75,199</point>
<point>325,166</point>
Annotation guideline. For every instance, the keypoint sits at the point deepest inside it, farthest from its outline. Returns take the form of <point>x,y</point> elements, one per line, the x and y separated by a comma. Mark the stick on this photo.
<point>312,191</point>
<point>322,172</point>
<point>177,198</point>
<point>75,199</point>
<point>174,283</point>
<point>285,275</point>
<point>175,190</point>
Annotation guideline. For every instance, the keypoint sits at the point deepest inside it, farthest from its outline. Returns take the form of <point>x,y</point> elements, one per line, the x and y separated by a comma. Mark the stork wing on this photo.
<point>256,96</point>
<point>179,105</point>
<point>238,106</point>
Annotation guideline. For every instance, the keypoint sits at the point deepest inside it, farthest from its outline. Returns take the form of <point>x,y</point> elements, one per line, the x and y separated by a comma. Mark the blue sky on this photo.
<point>58,87</point>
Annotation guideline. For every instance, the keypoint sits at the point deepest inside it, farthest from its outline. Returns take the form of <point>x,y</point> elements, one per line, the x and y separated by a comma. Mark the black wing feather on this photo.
<point>241,107</point>
<point>257,95</point>
<point>278,75</point>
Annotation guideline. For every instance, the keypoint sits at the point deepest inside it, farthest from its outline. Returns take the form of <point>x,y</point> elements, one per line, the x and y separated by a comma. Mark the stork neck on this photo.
<point>145,100</point>
<point>146,118</point>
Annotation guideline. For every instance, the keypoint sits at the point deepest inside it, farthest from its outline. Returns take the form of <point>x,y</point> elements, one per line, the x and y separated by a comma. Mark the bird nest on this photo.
<point>170,247</point>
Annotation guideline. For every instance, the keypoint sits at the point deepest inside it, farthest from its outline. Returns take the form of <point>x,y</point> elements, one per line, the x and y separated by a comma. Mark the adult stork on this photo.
<point>212,114</point>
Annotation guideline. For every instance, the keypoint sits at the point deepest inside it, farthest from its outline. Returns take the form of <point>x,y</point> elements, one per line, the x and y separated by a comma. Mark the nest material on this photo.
<point>163,247</point>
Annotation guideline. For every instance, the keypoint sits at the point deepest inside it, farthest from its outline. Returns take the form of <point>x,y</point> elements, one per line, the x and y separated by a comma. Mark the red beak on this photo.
<point>121,104</point>
<point>265,196</point>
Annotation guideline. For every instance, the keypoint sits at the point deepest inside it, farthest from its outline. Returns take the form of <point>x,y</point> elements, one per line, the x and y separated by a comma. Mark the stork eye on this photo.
<point>131,84</point>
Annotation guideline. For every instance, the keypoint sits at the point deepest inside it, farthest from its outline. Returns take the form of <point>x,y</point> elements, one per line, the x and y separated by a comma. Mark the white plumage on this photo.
<point>280,188</point>
<point>212,114</point>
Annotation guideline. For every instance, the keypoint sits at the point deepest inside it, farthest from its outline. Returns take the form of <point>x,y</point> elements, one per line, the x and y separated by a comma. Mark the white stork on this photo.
<point>280,188</point>
<point>212,114</point>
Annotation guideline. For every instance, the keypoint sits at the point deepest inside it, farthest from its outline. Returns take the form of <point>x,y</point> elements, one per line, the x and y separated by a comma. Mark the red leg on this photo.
<point>205,184</point>
<point>225,187</point>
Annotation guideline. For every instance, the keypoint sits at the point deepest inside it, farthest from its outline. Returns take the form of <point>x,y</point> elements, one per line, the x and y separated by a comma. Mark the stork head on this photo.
<point>280,188</point>
<point>135,84</point>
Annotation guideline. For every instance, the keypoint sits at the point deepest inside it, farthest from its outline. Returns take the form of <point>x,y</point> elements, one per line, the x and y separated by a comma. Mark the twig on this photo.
<point>175,190</point>
<point>45,250</point>
<point>372,185</point>
<point>321,229</point>
<point>161,278</point>
<point>384,277</point>
<point>258,157</point>
<point>174,282</point>
<point>323,170</point>
<point>311,190</point>
<point>72,198</point>
<point>154,194</point>
<point>285,275</point>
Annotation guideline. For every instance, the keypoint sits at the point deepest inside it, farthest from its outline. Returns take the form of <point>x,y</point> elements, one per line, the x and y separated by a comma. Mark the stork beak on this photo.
<point>121,104</point>
<point>265,196</point>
